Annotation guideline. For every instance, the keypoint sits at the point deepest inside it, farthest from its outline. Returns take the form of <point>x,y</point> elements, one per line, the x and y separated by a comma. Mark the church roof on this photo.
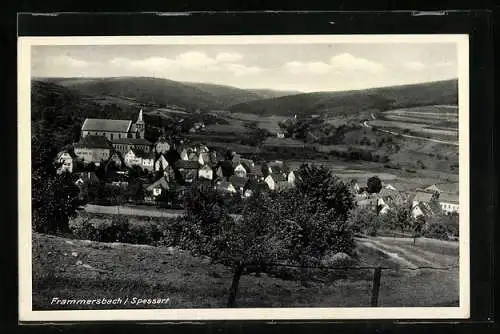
<point>110,125</point>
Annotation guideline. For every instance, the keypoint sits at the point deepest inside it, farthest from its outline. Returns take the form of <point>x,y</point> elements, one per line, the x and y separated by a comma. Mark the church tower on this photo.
<point>140,126</point>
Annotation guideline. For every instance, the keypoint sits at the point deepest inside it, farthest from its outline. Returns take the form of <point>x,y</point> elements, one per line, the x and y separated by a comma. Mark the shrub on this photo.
<point>436,231</point>
<point>84,229</point>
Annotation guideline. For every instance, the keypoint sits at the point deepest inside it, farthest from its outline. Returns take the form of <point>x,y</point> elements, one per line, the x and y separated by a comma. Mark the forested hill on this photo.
<point>352,102</point>
<point>57,114</point>
<point>162,92</point>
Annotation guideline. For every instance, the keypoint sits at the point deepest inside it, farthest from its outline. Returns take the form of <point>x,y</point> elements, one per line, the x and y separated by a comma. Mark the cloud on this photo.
<point>240,70</point>
<point>66,61</point>
<point>229,57</point>
<point>414,65</point>
<point>349,62</point>
<point>192,60</point>
<point>340,63</point>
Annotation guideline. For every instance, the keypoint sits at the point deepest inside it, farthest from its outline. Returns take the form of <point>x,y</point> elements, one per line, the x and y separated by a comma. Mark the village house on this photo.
<point>162,145</point>
<point>86,178</point>
<point>225,187</point>
<point>188,169</point>
<point>238,182</point>
<point>116,159</point>
<point>291,177</point>
<point>135,157</point>
<point>161,163</point>
<point>449,203</point>
<point>425,203</point>
<point>66,161</point>
<point>147,160</point>
<point>256,173</point>
<point>126,144</point>
<point>94,149</point>
<point>204,158</point>
<point>277,182</point>
<point>184,154</point>
<point>206,173</point>
<point>240,170</point>
<point>158,187</point>
<point>253,186</point>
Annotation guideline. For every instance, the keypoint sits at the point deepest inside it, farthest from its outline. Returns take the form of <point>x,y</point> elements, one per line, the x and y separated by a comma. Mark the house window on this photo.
<point>111,135</point>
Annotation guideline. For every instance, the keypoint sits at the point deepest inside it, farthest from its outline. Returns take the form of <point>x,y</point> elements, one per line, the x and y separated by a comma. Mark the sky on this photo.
<point>297,67</point>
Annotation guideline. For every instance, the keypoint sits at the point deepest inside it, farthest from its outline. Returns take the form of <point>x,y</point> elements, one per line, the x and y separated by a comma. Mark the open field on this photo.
<point>270,123</point>
<point>69,268</point>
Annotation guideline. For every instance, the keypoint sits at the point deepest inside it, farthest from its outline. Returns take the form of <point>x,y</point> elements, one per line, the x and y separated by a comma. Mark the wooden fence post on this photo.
<point>376,286</point>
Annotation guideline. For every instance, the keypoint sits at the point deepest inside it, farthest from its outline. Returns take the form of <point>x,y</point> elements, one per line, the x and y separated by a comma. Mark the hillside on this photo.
<point>226,95</point>
<point>161,92</point>
<point>353,102</point>
<point>270,93</point>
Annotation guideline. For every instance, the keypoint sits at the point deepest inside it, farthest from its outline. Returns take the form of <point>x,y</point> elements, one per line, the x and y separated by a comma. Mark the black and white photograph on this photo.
<point>243,177</point>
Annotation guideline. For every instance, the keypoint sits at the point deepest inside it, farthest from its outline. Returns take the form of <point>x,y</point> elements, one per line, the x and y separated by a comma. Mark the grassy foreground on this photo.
<point>79,269</point>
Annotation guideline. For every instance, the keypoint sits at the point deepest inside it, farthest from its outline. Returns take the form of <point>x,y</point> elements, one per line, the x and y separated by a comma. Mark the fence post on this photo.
<point>376,286</point>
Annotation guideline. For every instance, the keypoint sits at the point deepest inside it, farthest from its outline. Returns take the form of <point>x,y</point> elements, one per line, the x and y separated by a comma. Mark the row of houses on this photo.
<point>425,202</point>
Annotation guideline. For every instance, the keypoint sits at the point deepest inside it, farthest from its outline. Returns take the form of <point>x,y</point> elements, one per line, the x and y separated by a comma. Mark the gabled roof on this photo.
<point>282,185</point>
<point>71,154</point>
<point>131,141</point>
<point>256,170</point>
<point>144,155</point>
<point>424,197</point>
<point>206,167</point>
<point>275,169</point>
<point>449,198</point>
<point>160,183</point>
<point>93,142</point>
<point>224,185</point>
<point>111,125</point>
<point>87,177</point>
<point>433,188</point>
<point>278,177</point>
<point>256,185</point>
<point>187,164</point>
<point>238,181</point>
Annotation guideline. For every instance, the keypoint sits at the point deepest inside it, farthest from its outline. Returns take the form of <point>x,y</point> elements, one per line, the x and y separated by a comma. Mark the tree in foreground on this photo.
<point>55,199</point>
<point>293,227</point>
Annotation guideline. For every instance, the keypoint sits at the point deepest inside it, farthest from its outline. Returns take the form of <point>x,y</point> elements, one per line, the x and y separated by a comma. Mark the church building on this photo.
<point>123,134</point>
<point>114,128</point>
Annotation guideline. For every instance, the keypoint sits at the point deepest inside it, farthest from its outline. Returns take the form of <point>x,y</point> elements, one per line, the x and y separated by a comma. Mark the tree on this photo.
<point>418,225</point>
<point>135,190</point>
<point>374,184</point>
<point>55,199</point>
<point>292,226</point>
<point>319,183</point>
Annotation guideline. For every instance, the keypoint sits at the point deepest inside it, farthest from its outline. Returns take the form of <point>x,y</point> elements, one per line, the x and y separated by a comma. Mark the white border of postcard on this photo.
<point>26,312</point>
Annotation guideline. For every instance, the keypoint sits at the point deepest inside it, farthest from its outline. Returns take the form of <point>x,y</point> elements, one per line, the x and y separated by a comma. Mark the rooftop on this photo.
<point>187,164</point>
<point>278,177</point>
<point>110,125</point>
<point>93,142</point>
<point>131,141</point>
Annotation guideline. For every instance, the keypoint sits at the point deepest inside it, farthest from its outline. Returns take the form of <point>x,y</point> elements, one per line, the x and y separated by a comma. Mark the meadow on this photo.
<point>70,268</point>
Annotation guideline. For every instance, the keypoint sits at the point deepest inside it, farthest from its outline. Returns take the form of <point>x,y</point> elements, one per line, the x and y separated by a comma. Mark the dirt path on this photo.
<point>366,125</point>
<point>402,251</point>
